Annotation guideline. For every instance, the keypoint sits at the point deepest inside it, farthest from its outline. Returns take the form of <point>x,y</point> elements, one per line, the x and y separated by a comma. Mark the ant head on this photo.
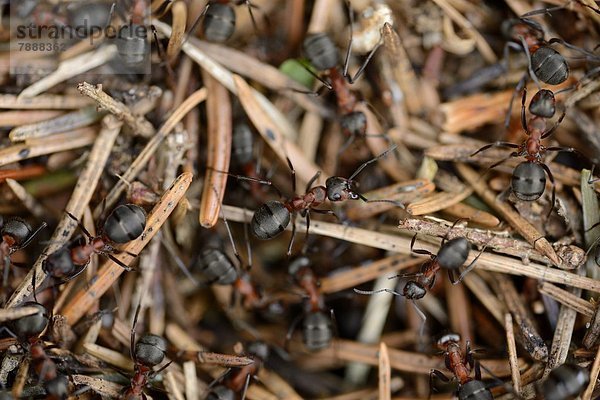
<point>340,189</point>
<point>297,264</point>
<point>150,350</point>
<point>126,223</point>
<point>33,325</point>
<point>17,229</point>
<point>413,290</point>
<point>543,104</point>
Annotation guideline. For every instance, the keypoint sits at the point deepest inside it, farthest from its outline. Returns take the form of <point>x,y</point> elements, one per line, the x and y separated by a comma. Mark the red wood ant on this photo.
<point>147,352</point>
<point>461,366</point>
<point>273,217</point>
<point>28,330</point>
<point>317,327</point>
<point>218,20</point>
<point>16,234</point>
<point>451,256</point>
<point>126,223</point>
<point>238,380</point>
<point>564,382</point>
<point>243,145</point>
<point>323,55</point>
<point>528,180</point>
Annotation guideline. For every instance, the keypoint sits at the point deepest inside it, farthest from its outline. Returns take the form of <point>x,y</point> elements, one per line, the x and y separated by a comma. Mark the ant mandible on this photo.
<point>528,180</point>
<point>273,217</point>
<point>461,366</point>
<point>126,223</point>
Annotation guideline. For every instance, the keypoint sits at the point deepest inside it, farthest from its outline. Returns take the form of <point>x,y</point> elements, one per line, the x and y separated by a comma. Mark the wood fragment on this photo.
<point>567,298</point>
<point>512,353</point>
<point>385,373</point>
<point>587,395</point>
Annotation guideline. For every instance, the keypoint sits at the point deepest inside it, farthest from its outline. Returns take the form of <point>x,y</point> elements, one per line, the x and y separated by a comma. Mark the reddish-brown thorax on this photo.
<point>243,285</point>
<point>139,380</point>
<point>346,99</point>
<point>312,198</point>
<point>457,363</point>
<point>81,254</point>
<point>43,366</point>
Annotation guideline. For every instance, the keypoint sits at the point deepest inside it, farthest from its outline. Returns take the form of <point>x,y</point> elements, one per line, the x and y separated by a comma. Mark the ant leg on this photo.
<point>523,116</point>
<point>249,178</point>
<point>292,173</point>
<point>312,180</point>
<point>394,202</point>
<point>496,144</point>
<point>305,246</point>
<point>289,250</point>
<point>421,315</point>
<point>346,144</point>
<point>553,128</point>
<point>440,375</point>
<point>551,177</point>
<point>290,332</point>
<point>529,66</point>
<point>494,165</point>
<point>452,227</point>
<point>470,266</point>
<point>366,163</point>
<point>246,384</point>
<point>518,88</point>
<point>197,22</point>
<point>132,337</point>
<point>80,225</point>
<point>33,235</point>
<point>249,5</point>
<point>218,379</point>
<point>119,262</point>
<point>419,251</point>
<point>573,47</point>
<point>233,246</point>
<point>545,11</point>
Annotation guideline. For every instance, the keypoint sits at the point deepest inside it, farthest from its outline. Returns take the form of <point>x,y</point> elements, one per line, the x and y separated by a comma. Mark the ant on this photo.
<point>461,366</point>
<point>528,180</point>
<point>323,55</point>
<point>317,328</point>
<point>239,378</point>
<point>217,268</point>
<point>218,19</point>
<point>544,62</point>
<point>147,352</point>
<point>242,149</point>
<point>273,217</point>
<point>564,382</point>
<point>16,234</point>
<point>28,331</point>
<point>126,223</point>
<point>451,256</point>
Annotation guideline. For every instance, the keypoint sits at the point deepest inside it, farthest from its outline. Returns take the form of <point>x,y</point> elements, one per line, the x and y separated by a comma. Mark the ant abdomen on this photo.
<point>31,325</point>
<point>453,254</point>
<point>321,51</point>
<point>216,267</point>
<point>474,390</point>
<point>18,230</point>
<point>219,22</point>
<point>528,181</point>
<point>242,143</point>
<point>317,331</point>
<point>549,65</point>
<point>269,220</point>
<point>564,382</point>
<point>150,350</point>
<point>126,223</point>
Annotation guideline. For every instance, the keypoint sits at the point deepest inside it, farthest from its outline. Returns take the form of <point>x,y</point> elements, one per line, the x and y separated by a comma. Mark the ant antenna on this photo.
<point>365,164</point>
<point>33,235</point>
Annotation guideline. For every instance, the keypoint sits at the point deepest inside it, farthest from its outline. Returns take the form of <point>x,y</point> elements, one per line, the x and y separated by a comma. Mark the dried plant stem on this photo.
<point>139,125</point>
<point>43,102</point>
<point>142,159</point>
<point>587,395</point>
<point>219,113</point>
<point>99,385</point>
<point>512,353</point>
<point>110,271</point>
<point>82,193</point>
<point>514,219</point>
<point>437,202</point>
<point>398,244</point>
<point>179,12</point>
<point>567,298</point>
<point>69,68</point>
<point>10,314</point>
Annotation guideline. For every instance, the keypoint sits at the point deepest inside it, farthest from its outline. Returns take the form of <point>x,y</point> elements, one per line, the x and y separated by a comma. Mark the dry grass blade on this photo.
<point>22,117</point>
<point>53,144</point>
<point>272,133</point>
<point>9,314</point>
<point>385,373</point>
<point>512,217</point>
<point>139,124</point>
<point>512,353</point>
<point>361,274</point>
<point>277,385</point>
<point>71,68</point>
<point>172,386</point>
<point>82,193</point>
<point>64,123</point>
<point>219,114</point>
<point>587,395</point>
<point>43,102</point>
<point>179,12</point>
<point>191,381</point>
<point>110,271</point>
<point>110,356</point>
<point>437,202</point>
<point>142,159</point>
